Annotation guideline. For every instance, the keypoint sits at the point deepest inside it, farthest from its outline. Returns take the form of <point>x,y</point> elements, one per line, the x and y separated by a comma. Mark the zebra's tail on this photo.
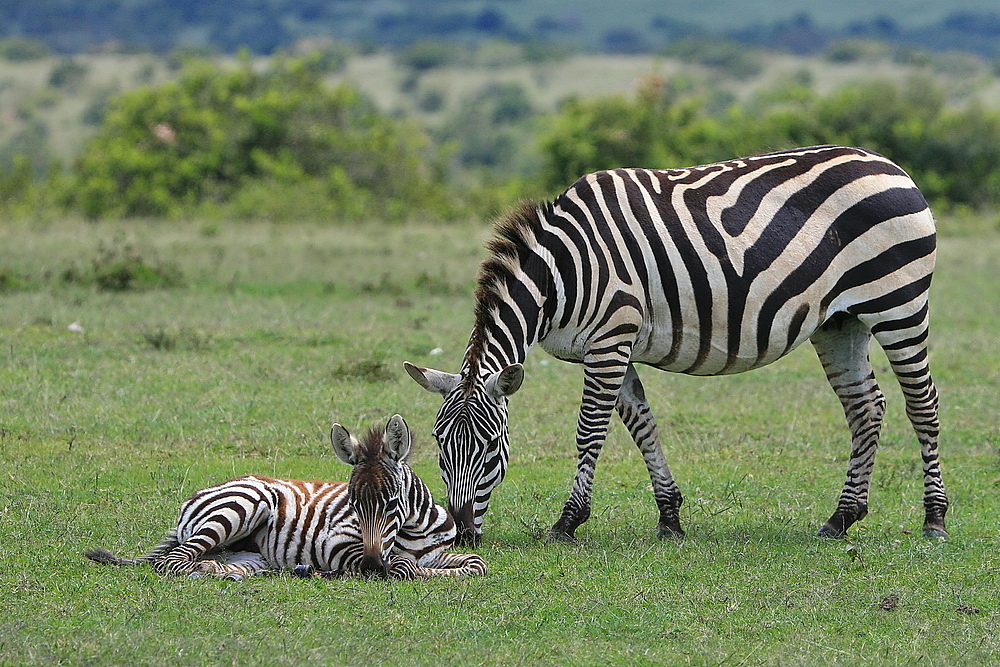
<point>107,558</point>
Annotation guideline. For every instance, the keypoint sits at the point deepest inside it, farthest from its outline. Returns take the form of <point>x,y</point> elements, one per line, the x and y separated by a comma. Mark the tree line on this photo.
<point>244,143</point>
<point>263,27</point>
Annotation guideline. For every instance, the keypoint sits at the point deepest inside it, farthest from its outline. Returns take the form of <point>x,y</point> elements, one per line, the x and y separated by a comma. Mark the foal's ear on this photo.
<point>345,445</point>
<point>438,382</point>
<point>397,438</point>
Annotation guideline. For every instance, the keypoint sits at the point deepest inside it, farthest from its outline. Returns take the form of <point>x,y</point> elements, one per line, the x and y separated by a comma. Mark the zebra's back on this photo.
<point>729,266</point>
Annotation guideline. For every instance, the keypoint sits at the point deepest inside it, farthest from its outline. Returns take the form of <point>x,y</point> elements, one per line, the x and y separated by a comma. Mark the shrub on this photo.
<point>68,74</point>
<point>120,266</point>
<point>221,138</point>
<point>20,49</point>
<point>952,154</point>
<point>427,54</point>
<point>726,56</point>
<point>10,281</point>
<point>365,370</point>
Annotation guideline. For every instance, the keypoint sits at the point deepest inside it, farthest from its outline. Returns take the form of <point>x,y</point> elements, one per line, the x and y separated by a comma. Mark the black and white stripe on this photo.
<point>710,270</point>
<point>382,522</point>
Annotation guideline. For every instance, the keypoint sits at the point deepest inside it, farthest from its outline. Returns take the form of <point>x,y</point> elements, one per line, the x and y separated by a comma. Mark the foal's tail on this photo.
<point>105,557</point>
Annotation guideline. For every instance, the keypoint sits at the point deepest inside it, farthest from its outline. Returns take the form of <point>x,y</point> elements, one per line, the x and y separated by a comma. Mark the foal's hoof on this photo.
<point>935,533</point>
<point>303,571</point>
<point>196,575</point>
<point>232,576</point>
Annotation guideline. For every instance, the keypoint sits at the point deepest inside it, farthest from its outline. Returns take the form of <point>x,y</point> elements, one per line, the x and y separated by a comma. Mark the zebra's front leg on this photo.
<point>637,417</point>
<point>603,374</point>
<point>842,345</point>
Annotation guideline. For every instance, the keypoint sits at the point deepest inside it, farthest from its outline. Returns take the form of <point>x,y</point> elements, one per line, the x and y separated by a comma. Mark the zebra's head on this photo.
<point>375,491</point>
<point>473,445</point>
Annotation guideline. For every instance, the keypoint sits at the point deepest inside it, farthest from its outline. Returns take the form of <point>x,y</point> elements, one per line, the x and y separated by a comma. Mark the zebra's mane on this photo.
<point>514,236</point>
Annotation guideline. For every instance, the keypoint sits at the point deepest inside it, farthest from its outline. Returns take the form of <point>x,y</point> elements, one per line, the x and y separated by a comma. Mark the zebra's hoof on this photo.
<point>196,575</point>
<point>935,533</point>
<point>831,533</point>
<point>560,536</point>
<point>670,533</point>
<point>233,577</point>
<point>303,571</point>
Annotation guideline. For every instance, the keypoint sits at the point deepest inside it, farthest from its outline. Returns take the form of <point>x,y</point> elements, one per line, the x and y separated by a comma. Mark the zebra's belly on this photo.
<point>691,350</point>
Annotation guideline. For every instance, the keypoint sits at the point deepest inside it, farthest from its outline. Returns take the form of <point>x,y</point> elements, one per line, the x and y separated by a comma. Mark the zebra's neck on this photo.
<point>513,296</point>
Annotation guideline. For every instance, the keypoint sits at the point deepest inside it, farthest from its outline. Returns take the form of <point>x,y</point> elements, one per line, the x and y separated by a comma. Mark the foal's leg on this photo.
<point>237,566</point>
<point>451,565</point>
<point>220,526</point>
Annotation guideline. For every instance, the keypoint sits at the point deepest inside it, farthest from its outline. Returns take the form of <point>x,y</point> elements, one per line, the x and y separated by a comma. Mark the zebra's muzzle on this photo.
<point>373,566</point>
<point>468,535</point>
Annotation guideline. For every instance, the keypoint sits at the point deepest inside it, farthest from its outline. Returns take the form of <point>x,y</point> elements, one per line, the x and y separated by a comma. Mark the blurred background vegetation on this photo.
<point>348,111</point>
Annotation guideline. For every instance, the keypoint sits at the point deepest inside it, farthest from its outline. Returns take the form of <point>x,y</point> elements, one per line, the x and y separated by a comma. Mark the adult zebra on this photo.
<point>382,522</point>
<point>709,270</point>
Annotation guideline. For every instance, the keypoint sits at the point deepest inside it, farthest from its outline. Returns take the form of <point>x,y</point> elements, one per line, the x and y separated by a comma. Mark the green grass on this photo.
<point>278,331</point>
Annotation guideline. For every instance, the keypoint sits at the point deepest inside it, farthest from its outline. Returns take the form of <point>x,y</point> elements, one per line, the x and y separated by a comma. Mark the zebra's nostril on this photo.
<point>373,566</point>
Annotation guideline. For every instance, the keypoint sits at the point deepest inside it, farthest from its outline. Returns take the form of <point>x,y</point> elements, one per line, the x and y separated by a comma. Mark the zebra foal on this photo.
<point>382,522</point>
<point>709,270</point>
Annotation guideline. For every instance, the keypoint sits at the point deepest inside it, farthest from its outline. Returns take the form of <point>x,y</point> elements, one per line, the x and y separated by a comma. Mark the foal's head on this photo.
<point>376,490</point>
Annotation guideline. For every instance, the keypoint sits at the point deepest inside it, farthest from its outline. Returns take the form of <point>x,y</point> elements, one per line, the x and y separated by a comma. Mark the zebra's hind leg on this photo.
<point>637,417</point>
<point>842,345</point>
<point>904,340</point>
<point>236,566</point>
<point>187,557</point>
<point>452,565</point>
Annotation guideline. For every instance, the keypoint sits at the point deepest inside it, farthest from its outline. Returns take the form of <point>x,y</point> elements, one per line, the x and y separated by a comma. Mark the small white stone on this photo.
<point>436,351</point>
<point>76,327</point>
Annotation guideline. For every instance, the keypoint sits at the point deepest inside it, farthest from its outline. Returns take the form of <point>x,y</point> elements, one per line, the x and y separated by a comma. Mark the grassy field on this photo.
<point>273,332</point>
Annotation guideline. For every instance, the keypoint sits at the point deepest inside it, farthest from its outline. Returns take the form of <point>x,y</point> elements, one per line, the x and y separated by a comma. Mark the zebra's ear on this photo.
<point>506,382</point>
<point>432,380</point>
<point>397,438</point>
<point>345,445</point>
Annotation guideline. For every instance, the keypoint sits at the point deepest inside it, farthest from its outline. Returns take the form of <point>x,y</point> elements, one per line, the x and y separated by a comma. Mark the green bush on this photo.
<point>952,154</point>
<point>21,49</point>
<point>723,55</point>
<point>68,74</point>
<point>427,54</point>
<point>120,266</point>
<point>229,139</point>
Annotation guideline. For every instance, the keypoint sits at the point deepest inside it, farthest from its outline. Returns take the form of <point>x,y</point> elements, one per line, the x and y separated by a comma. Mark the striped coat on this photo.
<point>709,270</point>
<point>382,522</point>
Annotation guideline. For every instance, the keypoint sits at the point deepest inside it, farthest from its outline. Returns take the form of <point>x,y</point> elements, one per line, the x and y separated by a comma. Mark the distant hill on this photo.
<point>636,26</point>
